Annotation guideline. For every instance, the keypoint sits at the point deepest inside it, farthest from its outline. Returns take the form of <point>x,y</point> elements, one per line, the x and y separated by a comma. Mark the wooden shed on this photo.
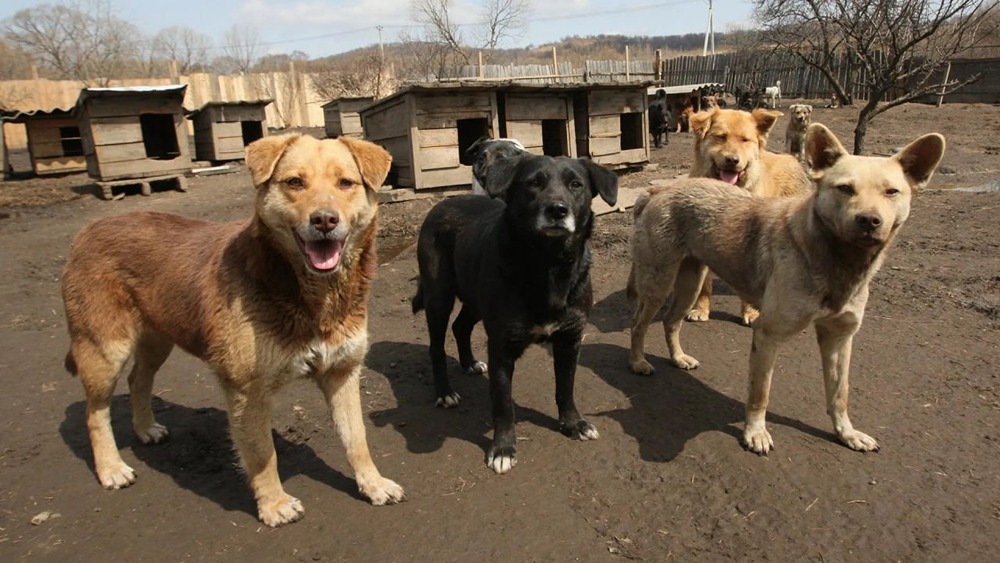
<point>342,116</point>
<point>428,127</point>
<point>134,134</point>
<point>54,142</point>
<point>223,129</point>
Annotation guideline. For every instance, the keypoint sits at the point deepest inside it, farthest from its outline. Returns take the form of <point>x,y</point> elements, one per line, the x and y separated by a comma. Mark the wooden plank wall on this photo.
<point>524,114</point>
<point>389,126</point>
<point>604,140</point>
<point>436,142</point>
<point>46,148</point>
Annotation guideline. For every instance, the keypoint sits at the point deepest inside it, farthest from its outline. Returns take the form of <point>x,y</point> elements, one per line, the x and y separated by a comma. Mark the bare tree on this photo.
<point>497,21</point>
<point>361,75</point>
<point>242,44</point>
<point>15,64</point>
<point>897,48</point>
<point>185,46</point>
<point>82,41</point>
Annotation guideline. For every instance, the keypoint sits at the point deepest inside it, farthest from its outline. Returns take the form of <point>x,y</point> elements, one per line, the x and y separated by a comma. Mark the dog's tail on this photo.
<point>417,302</point>
<point>70,363</point>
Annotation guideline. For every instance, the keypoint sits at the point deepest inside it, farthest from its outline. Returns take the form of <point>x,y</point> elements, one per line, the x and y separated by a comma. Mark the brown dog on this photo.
<point>731,145</point>
<point>264,301</point>
<point>807,261</point>
<point>795,133</point>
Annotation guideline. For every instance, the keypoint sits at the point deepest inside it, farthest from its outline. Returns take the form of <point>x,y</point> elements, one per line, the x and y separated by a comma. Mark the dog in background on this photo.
<point>277,297</point>
<point>730,145</point>
<point>773,93</point>
<point>521,264</point>
<point>795,133</point>
<point>658,119</point>
<point>802,260</point>
<point>484,152</point>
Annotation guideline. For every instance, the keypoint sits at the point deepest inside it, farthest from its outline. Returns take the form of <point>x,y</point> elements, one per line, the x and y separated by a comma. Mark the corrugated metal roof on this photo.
<point>348,99</point>
<point>129,91</point>
<point>241,103</point>
<point>22,116</point>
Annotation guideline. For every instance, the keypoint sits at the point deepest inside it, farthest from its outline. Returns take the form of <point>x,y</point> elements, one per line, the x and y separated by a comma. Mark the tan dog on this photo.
<point>264,301</point>
<point>731,145</point>
<point>804,260</point>
<point>795,133</point>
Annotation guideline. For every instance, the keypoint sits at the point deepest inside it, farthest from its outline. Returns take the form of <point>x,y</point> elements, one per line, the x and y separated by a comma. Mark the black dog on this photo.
<point>521,264</point>
<point>484,152</point>
<point>658,118</point>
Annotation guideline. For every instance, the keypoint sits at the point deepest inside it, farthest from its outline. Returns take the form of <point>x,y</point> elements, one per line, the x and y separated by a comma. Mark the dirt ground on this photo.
<point>667,480</point>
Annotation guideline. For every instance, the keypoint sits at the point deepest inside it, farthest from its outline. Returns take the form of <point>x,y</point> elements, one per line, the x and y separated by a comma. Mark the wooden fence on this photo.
<point>592,71</point>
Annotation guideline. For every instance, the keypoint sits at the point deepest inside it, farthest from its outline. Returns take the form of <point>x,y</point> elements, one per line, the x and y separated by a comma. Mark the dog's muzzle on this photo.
<point>556,219</point>
<point>322,241</point>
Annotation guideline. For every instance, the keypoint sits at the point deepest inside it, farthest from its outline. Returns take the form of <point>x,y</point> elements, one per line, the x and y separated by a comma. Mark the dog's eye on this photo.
<point>295,182</point>
<point>845,189</point>
<point>746,139</point>
<point>720,136</point>
<point>891,192</point>
<point>346,183</point>
<point>576,184</point>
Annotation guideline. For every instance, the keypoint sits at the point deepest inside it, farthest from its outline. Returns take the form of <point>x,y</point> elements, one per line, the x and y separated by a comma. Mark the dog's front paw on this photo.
<point>501,459</point>
<point>116,475</point>
<point>684,361</point>
<point>477,368</point>
<point>757,439</point>
<point>283,510</point>
<point>581,430</point>
<point>750,315</point>
<point>155,434</point>
<point>382,491</point>
<point>697,315</point>
<point>859,441</point>
<point>448,401</point>
<point>641,367</point>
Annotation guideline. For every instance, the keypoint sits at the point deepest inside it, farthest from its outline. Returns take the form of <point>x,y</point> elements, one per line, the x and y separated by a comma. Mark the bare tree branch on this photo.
<point>241,45</point>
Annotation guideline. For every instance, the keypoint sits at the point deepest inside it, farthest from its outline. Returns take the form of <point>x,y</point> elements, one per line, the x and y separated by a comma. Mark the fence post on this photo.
<point>480,74</point>
<point>555,64</point>
<point>944,84</point>
<point>628,73</point>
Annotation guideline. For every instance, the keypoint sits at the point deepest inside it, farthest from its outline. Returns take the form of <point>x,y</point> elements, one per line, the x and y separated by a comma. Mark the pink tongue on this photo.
<point>324,254</point>
<point>729,177</point>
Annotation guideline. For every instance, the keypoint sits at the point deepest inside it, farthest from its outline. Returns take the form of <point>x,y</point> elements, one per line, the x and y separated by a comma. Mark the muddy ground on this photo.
<point>667,480</point>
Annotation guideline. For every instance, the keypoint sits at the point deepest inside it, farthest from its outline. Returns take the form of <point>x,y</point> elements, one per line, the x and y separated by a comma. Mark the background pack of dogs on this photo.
<point>802,260</point>
<point>795,133</point>
<point>520,262</point>
<point>659,118</point>
<point>730,145</point>
<point>282,295</point>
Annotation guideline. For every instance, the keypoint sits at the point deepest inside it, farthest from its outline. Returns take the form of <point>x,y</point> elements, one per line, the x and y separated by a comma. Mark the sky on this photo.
<point>327,27</point>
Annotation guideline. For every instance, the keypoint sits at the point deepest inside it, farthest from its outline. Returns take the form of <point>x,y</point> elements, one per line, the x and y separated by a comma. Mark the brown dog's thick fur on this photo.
<point>803,260</point>
<point>280,296</point>
<point>795,133</point>
<point>731,145</point>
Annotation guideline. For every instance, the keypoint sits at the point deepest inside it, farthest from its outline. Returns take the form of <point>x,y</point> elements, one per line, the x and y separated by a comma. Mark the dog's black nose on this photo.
<point>868,220</point>
<point>557,210</point>
<point>732,159</point>
<point>324,220</point>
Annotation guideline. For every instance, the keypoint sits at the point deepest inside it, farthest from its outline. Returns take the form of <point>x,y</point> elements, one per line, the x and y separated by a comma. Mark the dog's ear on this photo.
<point>373,161</point>
<point>701,121</point>
<point>765,120</point>
<point>809,109</point>
<point>500,175</point>
<point>603,182</point>
<point>263,154</point>
<point>472,153</point>
<point>823,149</point>
<point>920,158</point>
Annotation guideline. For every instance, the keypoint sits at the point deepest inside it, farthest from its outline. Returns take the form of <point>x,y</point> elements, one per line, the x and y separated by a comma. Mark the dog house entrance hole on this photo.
<point>159,137</point>
<point>69,137</point>
<point>632,135</point>
<point>554,141</point>
<point>252,130</point>
<point>470,131</point>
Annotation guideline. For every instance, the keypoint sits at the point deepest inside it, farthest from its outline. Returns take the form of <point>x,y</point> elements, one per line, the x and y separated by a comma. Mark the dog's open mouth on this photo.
<point>322,255</point>
<point>729,176</point>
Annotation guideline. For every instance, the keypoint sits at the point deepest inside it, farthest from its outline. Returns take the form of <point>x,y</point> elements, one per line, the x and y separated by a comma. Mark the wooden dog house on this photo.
<point>342,116</point>
<point>223,129</point>
<point>54,142</point>
<point>134,135</point>
<point>428,127</point>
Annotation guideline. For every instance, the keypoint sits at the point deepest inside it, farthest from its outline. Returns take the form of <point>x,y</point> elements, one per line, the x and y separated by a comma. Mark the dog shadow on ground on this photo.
<point>199,455</point>
<point>406,366</point>
<point>614,312</point>
<point>672,406</point>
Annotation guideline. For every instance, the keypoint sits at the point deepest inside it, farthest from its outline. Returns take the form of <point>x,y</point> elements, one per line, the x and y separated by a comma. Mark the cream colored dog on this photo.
<point>795,133</point>
<point>731,145</point>
<point>802,261</point>
<point>280,296</point>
